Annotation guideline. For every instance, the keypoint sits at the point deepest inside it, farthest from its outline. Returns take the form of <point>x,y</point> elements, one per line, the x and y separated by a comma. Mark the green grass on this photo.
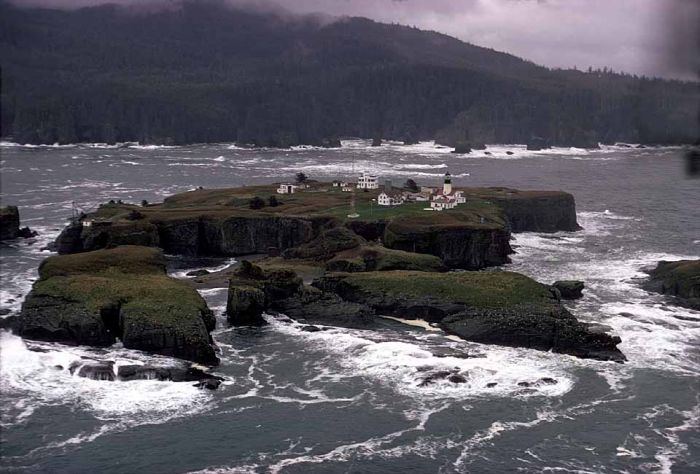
<point>125,259</point>
<point>477,289</point>
<point>129,276</point>
<point>321,199</point>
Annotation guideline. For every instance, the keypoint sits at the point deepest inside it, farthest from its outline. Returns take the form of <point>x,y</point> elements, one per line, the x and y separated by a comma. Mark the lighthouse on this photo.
<point>447,186</point>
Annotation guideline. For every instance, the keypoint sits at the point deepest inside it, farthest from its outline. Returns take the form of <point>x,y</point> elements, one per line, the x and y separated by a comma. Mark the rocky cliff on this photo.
<point>531,211</point>
<point>220,222</point>
<point>457,243</point>
<point>192,235</point>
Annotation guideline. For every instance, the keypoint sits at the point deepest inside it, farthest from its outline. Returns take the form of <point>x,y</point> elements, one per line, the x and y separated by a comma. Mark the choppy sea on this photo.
<point>346,400</point>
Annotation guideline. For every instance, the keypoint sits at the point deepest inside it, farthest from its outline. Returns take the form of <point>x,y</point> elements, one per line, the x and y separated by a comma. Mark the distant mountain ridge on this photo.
<point>207,72</point>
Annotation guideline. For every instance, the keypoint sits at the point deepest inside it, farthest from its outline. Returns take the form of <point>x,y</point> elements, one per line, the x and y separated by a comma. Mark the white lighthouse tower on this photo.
<point>447,186</point>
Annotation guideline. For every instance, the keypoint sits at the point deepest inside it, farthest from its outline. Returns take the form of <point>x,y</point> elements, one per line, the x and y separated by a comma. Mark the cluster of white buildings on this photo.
<point>439,198</point>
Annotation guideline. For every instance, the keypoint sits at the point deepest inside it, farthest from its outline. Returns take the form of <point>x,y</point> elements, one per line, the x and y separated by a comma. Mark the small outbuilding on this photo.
<point>286,188</point>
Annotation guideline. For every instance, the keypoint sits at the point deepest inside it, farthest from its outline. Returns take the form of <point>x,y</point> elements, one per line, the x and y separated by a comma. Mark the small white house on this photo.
<point>286,188</point>
<point>367,181</point>
<point>347,187</point>
<point>441,202</point>
<point>389,198</point>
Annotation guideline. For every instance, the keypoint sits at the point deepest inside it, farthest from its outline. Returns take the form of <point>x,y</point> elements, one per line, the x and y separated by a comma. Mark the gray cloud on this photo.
<point>650,37</point>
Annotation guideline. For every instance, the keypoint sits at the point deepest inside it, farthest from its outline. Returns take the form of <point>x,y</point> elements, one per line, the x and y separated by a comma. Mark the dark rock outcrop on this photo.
<point>528,326</point>
<point>462,148</point>
<point>69,240</point>
<point>252,291</point>
<point>449,375</point>
<point>174,374</point>
<point>9,224</point>
<point>680,279</point>
<point>312,305</point>
<point>569,289</point>
<point>94,370</point>
<point>209,384</point>
<point>95,298</point>
<point>245,305</point>
<point>537,143</point>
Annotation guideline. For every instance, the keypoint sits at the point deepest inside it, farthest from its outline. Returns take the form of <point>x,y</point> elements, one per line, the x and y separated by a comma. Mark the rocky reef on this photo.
<point>680,279</point>
<point>97,297</point>
<point>502,308</point>
<point>568,289</point>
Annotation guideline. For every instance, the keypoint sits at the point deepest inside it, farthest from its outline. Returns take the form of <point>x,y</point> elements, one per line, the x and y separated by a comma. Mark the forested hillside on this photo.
<point>205,72</point>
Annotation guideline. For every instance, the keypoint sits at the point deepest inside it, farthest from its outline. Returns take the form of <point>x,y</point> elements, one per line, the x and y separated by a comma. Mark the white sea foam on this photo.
<point>654,335</point>
<point>404,365</point>
<point>182,273</point>
<point>35,377</point>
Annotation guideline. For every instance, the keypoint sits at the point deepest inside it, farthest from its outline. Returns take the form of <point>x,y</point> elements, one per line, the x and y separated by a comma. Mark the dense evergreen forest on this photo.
<point>201,71</point>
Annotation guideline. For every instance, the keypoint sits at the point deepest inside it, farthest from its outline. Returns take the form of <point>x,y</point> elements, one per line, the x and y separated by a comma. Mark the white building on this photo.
<point>440,203</point>
<point>286,188</point>
<point>367,181</point>
<point>347,187</point>
<point>390,198</point>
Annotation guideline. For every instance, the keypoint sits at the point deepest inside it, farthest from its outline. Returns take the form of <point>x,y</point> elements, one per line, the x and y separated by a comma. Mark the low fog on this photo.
<point>646,37</point>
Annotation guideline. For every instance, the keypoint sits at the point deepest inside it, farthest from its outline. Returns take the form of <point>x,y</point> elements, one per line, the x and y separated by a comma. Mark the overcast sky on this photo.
<point>651,37</point>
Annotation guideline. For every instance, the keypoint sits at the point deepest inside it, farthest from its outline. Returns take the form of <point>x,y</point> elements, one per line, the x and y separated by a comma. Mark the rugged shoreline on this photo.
<point>220,223</point>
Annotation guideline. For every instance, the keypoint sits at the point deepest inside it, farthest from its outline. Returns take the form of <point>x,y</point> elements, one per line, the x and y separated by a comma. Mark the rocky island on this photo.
<point>222,222</point>
<point>323,255</point>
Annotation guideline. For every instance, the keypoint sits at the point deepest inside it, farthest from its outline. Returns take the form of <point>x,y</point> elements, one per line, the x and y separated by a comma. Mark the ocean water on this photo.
<point>350,400</point>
